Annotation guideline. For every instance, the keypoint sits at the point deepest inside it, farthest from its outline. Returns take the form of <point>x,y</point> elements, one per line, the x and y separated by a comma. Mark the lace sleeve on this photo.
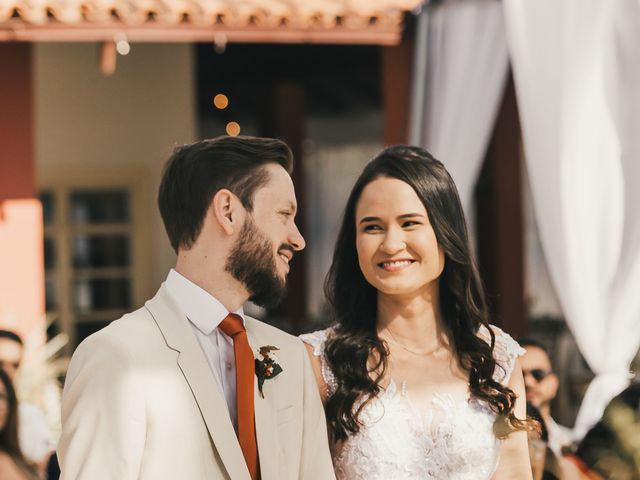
<point>505,352</point>
<point>317,341</point>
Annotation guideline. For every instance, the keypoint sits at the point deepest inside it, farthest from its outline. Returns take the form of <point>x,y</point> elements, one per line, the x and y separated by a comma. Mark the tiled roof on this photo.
<point>340,21</point>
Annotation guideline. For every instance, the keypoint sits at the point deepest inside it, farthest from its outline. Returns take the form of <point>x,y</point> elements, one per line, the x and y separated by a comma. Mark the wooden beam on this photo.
<point>282,117</point>
<point>397,72</point>
<point>17,156</point>
<point>500,219</point>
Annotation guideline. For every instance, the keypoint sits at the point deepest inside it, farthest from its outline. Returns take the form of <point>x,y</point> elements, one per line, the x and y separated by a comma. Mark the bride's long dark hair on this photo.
<point>354,341</point>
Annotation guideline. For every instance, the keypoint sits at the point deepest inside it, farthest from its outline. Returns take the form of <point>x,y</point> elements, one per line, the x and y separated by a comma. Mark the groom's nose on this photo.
<point>295,239</point>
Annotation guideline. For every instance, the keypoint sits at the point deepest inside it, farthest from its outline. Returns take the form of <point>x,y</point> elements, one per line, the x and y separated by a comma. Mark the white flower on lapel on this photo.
<point>268,367</point>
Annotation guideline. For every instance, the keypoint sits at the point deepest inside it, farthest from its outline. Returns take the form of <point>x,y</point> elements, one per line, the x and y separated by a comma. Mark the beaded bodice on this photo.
<point>447,439</point>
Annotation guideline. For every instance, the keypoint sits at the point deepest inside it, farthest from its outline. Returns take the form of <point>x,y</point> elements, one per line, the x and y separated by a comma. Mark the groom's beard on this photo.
<point>252,263</point>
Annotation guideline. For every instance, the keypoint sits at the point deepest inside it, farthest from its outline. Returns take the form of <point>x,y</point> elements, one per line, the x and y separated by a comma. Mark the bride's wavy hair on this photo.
<point>354,341</point>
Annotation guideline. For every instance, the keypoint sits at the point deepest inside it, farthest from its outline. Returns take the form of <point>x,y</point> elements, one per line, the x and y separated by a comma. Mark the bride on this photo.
<point>415,382</point>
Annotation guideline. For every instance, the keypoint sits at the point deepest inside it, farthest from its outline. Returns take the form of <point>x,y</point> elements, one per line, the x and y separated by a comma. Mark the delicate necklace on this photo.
<point>393,339</point>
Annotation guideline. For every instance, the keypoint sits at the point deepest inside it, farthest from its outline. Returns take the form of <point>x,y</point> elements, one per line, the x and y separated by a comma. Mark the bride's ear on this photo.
<point>227,211</point>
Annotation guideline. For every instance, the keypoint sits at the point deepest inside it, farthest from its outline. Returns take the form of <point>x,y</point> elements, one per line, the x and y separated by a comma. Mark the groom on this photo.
<point>188,386</point>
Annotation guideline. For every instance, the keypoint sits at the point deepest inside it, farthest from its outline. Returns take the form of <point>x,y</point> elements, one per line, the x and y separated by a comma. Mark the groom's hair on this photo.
<point>195,172</point>
<point>9,335</point>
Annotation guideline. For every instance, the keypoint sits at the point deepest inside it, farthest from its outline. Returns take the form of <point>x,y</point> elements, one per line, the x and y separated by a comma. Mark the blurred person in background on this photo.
<point>544,464</point>
<point>611,448</point>
<point>34,434</point>
<point>541,385</point>
<point>13,464</point>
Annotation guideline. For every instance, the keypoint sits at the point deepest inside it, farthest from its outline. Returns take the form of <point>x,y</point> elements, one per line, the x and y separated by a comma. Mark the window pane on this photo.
<point>49,253</point>
<point>102,294</point>
<point>84,329</point>
<point>50,294</point>
<point>48,207</point>
<point>109,206</point>
<point>94,251</point>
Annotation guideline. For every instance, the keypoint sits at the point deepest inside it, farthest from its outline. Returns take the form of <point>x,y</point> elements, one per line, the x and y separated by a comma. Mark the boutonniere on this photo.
<point>267,368</point>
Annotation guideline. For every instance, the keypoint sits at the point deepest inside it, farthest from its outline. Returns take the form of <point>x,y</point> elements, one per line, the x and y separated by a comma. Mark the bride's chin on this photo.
<point>396,291</point>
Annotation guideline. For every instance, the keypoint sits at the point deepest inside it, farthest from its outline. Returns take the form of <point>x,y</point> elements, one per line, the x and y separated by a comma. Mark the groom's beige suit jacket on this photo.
<point>141,402</point>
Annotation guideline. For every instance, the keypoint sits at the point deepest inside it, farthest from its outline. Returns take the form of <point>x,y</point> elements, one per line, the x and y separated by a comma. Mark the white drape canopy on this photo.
<point>577,75</point>
<point>459,83</point>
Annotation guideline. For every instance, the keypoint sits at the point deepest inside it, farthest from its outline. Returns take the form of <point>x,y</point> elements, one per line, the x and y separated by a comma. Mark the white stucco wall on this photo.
<point>90,126</point>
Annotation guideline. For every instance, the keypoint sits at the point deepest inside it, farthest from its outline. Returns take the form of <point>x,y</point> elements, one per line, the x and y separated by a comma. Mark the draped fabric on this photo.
<point>461,68</point>
<point>577,77</point>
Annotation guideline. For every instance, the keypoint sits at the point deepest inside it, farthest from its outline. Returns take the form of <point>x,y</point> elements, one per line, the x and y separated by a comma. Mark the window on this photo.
<point>90,266</point>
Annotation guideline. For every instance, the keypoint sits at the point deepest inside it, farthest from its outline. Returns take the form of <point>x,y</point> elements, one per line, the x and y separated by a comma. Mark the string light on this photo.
<point>123,47</point>
<point>221,101</point>
<point>122,44</point>
<point>233,129</point>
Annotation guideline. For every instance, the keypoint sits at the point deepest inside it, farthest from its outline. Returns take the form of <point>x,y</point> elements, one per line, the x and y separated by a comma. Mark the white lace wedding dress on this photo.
<point>451,439</point>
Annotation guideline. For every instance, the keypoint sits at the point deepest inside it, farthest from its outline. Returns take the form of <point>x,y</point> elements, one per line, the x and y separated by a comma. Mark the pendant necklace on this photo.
<point>433,352</point>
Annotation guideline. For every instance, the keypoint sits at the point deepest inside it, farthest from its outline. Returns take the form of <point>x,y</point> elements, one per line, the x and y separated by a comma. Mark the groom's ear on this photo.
<point>227,210</point>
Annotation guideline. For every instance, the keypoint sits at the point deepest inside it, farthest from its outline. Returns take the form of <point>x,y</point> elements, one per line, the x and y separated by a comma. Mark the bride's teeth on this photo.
<point>397,264</point>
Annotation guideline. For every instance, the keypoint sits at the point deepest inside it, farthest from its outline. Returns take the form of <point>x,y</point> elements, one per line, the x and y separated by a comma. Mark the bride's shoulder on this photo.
<point>317,340</point>
<point>505,351</point>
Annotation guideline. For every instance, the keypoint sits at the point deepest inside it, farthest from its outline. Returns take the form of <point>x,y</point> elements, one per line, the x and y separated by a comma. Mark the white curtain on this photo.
<point>577,74</point>
<point>461,68</point>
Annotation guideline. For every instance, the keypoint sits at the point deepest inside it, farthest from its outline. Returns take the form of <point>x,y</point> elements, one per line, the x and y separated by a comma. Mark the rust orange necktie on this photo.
<point>233,327</point>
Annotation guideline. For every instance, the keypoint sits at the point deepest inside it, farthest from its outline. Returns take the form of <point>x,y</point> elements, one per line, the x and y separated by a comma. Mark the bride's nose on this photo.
<point>393,241</point>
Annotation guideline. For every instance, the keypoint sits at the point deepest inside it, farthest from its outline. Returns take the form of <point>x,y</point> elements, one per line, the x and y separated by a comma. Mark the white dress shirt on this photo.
<point>34,434</point>
<point>559,436</point>
<point>205,313</point>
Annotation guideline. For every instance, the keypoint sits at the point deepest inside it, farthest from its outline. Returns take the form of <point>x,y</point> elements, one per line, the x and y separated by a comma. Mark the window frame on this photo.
<point>61,230</point>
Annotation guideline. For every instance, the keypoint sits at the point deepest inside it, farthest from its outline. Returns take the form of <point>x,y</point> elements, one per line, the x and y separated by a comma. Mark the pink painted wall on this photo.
<point>21,229</point>
<point>21,266</point>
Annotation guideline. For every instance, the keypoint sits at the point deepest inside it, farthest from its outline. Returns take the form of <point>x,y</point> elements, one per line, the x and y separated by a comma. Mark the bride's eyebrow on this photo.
<point>377,219</point>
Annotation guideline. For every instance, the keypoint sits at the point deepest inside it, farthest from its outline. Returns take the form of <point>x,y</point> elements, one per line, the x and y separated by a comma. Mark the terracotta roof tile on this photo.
<point>355,14</point>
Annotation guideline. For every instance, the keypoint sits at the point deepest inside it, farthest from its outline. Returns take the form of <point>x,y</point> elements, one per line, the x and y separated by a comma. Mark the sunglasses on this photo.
<point>537,373</point>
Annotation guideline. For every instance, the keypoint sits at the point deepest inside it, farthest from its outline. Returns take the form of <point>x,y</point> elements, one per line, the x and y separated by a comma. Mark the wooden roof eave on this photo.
<point>151,32</point>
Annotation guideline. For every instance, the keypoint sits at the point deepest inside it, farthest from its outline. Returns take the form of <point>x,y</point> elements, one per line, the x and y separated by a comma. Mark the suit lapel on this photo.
<point>266,419</point>
<point>193,364</point>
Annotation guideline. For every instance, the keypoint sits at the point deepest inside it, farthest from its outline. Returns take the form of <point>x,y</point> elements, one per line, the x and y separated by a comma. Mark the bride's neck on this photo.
<point>417,320</point>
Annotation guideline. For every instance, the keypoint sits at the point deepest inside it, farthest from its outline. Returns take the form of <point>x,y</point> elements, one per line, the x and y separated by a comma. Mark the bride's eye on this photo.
<point>410,223</point>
